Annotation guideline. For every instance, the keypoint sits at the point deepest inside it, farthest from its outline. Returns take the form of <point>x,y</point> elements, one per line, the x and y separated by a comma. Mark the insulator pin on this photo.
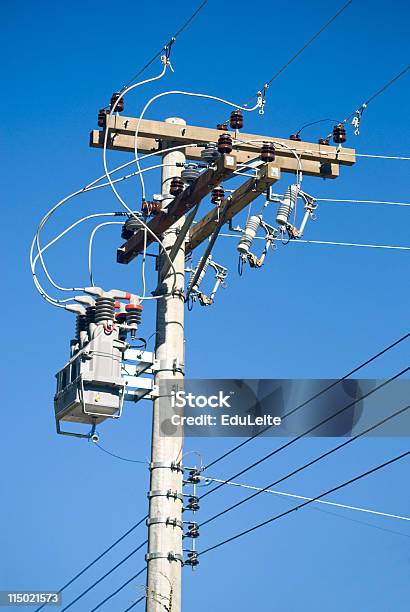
<point>249,234</point>
<point>193,531</point>
<point>192,559</point>
<point>323,141</point>
<point>217,195</point>
<point>268,152</point>
<point>287,205</point>
<point>325,169</point>
<point>151,208</point>
<point>222,126</point>
<point>130,227</point>
<point>225,144</point>
<point>193,503</point>
<point>120,105</point>
<point>133,312</point>
<point>236,120</point>
<point>295,137</point>
<point>210,153</point>
<point>102,117</point>
<point>177,186</point>
<point>190,173</point>
<point>339,134</point>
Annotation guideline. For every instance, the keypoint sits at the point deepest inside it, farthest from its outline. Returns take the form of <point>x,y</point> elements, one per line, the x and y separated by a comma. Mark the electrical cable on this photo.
<point>313,461</point>
<point>306,503</point>
<point>307,44</point>
<point>319,501</point>
<point>166,47</point>
<point>359,111</point>
<point>90,246</point>
<point>135,603</point>
<point>331,243</point>
<point>306,432</point>
<point>80,573</point>
<point>118,456</point>
<point>362,201</point>
<point>144,569</point>
<point>94,584</point>
<point>356,369</point>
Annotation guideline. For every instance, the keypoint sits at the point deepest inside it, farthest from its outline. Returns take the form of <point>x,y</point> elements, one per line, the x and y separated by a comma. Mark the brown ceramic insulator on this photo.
<point>268,152</point>
<point>236,120</point>
<point>225,143</point>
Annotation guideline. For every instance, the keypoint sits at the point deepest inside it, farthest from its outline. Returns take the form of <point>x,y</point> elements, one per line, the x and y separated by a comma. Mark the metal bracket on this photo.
<point>177,467</point>
<point>169,494</point>
<point>171,556</point>
<point>172,522</point>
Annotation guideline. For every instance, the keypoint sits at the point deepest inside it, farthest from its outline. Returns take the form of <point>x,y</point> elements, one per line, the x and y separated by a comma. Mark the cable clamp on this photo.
<point>169,494</point>
<point>171,556</point>
<point>357,119</point>
<point>172,522</point>
<point>177,467</point>
<point>169,365</point>
<point>261,99</point>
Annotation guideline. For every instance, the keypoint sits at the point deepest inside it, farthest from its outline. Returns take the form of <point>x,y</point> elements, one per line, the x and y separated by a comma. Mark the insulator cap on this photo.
<point>236,120</point>
<point>217,195</point>
<point>130,227</point>
<point>268,152</point>
<point>210,153</point>
<point>222,126</point>
<point>192,559</point>
<point>129,307</point>
<point>190,173</point>
<point>177,186</point>
<point>151,208</point>
<point>193,503</point>
<point>194,477</point>
<point>295,137</point>
<point>323,141</point>
<point>102,117</point>
<point>339,134</point>
<point>120,317</point>
<point>225,144</point>
<point>193,531</point>
<point>120,106</point>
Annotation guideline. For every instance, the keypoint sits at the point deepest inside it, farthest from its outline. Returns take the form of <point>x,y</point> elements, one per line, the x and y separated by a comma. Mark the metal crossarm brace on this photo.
<point>186,200</point>
<point>267,175</point>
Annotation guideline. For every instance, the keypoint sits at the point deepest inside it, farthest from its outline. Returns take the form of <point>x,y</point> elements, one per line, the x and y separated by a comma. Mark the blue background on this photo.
<point>312,311</point>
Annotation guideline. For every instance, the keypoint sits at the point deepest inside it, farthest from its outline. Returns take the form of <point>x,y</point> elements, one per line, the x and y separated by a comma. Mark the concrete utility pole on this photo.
<point>165,529</point>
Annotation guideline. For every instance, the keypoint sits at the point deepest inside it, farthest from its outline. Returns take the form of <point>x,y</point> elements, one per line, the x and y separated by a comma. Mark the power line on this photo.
<point>356,369</point>
<point>310,463</point>
<point>124,535</point>
<point>119,457</point>
<point>331,243</point>
<point>305,433</point>
<point>166,48</point>
<point>306,503</point>
<point>320,501</point>
<point>135,603</point>
<point>363,201</point>
<point>359,111</point>
<point>336,514</point>
<point>144,569</point>
<point>94,584</point>
<point>307,44</point>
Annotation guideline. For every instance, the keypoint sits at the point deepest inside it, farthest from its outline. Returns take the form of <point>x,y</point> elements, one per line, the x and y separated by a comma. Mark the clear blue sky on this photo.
<point>312,311</point>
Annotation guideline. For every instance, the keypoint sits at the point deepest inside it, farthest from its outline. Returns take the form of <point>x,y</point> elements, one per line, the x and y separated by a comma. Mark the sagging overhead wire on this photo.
<point>262,90</point>
<point>306,432</point>
<point>319,501</point>
<point>333,243</point>
<point>317,459</point>
<point>356,115</point>
<point>120,588</point>
<point>317,395</point>
<point>94,584</point>
<point>107,550</point>
<point>166,48</point>
<point>306,503</point>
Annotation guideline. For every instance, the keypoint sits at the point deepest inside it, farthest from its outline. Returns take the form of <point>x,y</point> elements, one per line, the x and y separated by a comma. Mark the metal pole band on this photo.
<point>171,556</point>
<point>177,467</point>
<point>172,522</point>
<point>169,494</point>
